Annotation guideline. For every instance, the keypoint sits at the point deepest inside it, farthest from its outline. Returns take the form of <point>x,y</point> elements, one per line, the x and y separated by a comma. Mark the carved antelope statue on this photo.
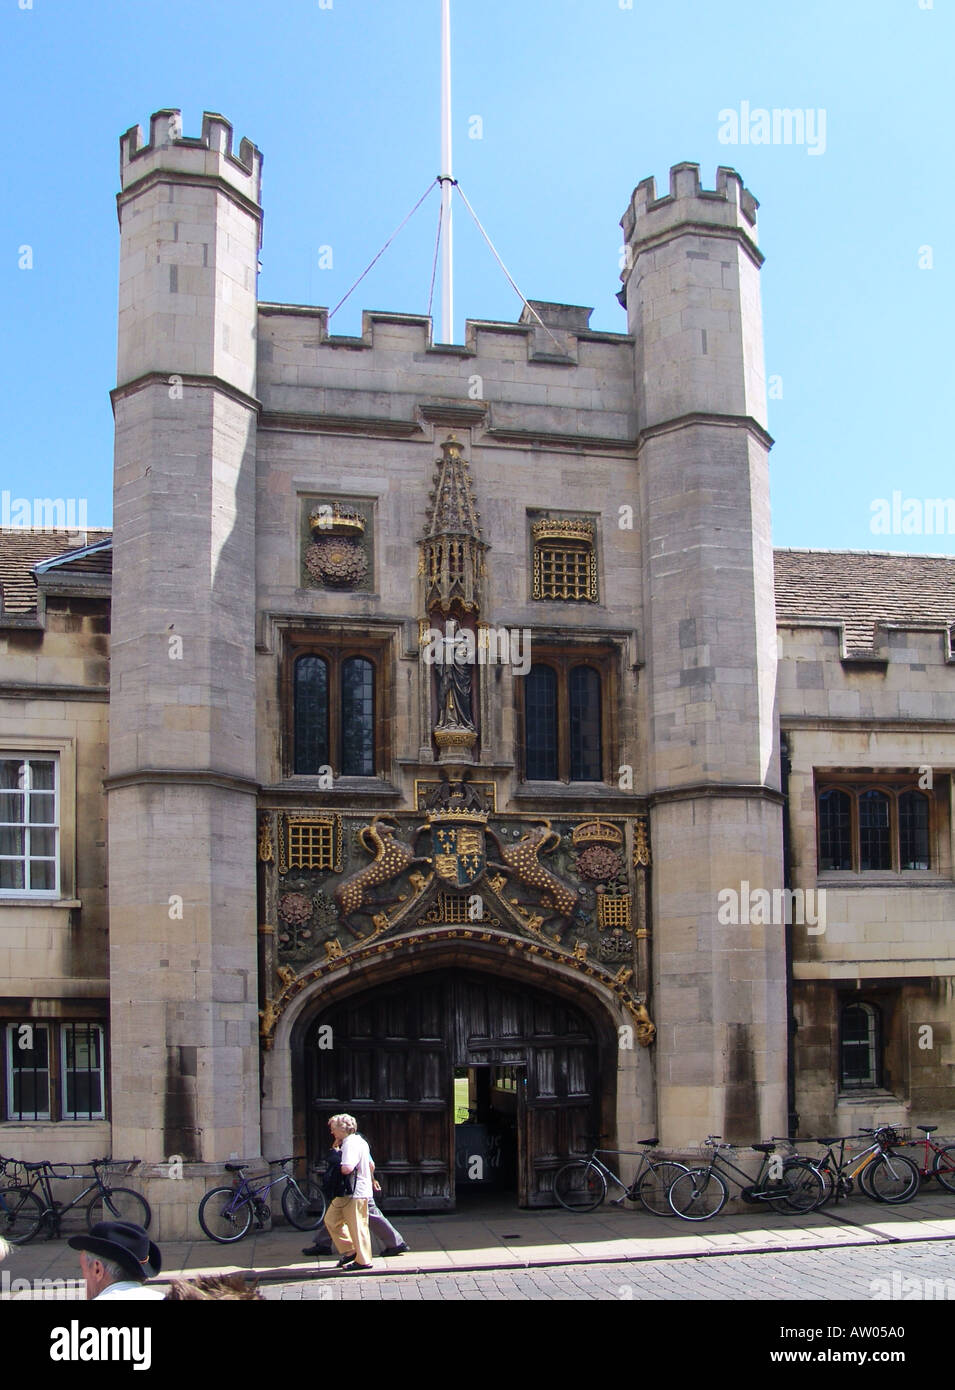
<point>521,861</point>
<point>391,859</point>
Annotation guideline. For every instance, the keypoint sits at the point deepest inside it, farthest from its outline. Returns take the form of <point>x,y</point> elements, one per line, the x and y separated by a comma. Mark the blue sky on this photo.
<point>579,100</point>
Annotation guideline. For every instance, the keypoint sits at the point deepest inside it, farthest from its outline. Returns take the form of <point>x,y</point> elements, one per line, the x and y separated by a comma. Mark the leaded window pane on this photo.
<point>835,822</point>
<point>358,718</point>
<point>913,831</point>
<point>859,1045</point>
<point>585,752</point>
<point>311,715</point>
<point>875,851</point>
<point>540,721</point>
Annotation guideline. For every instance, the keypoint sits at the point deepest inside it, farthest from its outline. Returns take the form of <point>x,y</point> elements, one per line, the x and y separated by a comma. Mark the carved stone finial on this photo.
<point>452,548</point>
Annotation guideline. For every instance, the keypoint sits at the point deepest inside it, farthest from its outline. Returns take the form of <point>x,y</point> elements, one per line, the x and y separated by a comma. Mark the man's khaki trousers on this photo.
<point>350,1215</point>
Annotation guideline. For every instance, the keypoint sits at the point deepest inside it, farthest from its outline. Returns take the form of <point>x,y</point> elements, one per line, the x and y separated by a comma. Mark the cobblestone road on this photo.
<point>924,1270</point>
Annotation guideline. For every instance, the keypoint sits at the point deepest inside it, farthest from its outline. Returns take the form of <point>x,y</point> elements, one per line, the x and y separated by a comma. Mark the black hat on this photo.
<point>128,1245</point>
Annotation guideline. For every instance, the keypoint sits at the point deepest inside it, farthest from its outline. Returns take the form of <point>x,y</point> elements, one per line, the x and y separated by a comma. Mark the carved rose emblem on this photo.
<point>336,560</point>
<point>599,863</point>
<point>295,908</point>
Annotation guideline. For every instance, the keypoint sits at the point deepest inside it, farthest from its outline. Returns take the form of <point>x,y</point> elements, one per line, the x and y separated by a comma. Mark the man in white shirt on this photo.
<point>346,1219</point>
<point>116,1259</point>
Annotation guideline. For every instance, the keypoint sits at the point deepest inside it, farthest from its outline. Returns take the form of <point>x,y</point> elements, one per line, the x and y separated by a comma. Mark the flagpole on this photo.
<point>447,256</point>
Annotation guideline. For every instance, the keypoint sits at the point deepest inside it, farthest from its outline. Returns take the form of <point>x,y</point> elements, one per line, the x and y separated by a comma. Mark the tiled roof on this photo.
<point>21,549</point>
<point>863,587</point>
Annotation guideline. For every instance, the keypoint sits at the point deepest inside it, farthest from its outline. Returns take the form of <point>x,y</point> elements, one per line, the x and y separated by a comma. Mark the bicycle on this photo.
<point>582,1185</point>
<point>23,1211</point>
<point>943,1167</point>
<point>882,1175</point>
<point>702,1193</point>
<point>226,1213</point>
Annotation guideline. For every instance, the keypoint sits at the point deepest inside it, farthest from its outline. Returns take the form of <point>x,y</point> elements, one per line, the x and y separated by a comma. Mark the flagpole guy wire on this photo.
<point>377,258</point>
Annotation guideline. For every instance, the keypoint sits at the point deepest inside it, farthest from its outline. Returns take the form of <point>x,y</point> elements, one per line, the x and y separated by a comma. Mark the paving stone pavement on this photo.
<point>496,1236</point>
<point>876,1274</point>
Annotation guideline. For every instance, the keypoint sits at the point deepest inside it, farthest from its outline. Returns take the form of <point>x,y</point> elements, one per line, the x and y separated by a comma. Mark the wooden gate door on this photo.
<point>388,1063</point>
<point>389,1058</point>
<point>555,1044</point>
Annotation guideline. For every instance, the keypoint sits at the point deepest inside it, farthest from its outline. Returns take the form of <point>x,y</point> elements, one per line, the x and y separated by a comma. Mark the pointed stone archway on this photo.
<point>400,1023</point>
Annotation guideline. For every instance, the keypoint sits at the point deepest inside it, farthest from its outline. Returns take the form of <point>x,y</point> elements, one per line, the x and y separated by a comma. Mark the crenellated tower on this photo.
<point>691,290</point>
<point>182,715</point>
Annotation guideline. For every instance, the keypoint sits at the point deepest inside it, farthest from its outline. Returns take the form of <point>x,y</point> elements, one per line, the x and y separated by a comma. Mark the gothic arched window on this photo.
<point>335,724</point>
<point>859,1045</point>
<point>585,743</point>
<point>311,714</point>
<point>886,827</point>
<point>540,724</point>
<point>564,706</point>
<point>875,849</point>
<point>913,831</point>
<point>835,830</point>
<point>358,718</point>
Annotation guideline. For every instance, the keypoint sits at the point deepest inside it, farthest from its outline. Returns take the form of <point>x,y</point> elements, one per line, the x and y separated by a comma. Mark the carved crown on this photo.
<point>594,832</point>
<point>563,531</point>
<point>336,519</point>
<point>460,817</point>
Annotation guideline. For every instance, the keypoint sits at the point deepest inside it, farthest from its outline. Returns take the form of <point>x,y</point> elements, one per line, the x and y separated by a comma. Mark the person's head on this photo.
<point>206,1286</point>
<point>341,1126</point>
<point>115,1251</point>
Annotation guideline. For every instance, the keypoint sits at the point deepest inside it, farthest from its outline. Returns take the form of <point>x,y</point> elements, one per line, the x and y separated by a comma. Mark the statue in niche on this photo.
<point>454,685</point>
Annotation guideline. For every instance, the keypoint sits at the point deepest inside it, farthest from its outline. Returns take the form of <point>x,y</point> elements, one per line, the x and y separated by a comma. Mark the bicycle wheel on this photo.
<point>303,1210</point>
<point>222,1218</point>
<point>804,1188</point>
<point>21,1213</point>
<point>944,1168</point>
<point>655,1183</point>
<point>698,1194</point>
<point>891,1178</point>
<point>580,1186</point>
<point>119,1204</point>
<point>828,1178</point>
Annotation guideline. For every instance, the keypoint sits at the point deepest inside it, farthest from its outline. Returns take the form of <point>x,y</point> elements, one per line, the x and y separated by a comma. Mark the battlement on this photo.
<point>210,155</point>
<point>558,342</point>
<point>728,205</point>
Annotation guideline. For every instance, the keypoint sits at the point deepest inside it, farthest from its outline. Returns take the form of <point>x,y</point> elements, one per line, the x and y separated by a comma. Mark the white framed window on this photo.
<point>54,1071</point>
<point>29,825</point>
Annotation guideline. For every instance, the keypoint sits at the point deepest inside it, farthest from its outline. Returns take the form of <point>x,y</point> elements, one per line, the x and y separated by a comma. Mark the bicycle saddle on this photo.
<point>833,1140</point>
<point>763,1148</point>
<point>650,1143</point>
<point>234,1167</point>
<point>927,1129</point>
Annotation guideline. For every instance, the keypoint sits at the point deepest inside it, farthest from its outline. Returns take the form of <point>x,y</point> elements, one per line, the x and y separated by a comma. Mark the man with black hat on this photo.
<point>116,1259</point>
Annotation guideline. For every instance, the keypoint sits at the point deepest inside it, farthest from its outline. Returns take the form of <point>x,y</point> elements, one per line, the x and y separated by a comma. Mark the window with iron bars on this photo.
<point>54,1071</point>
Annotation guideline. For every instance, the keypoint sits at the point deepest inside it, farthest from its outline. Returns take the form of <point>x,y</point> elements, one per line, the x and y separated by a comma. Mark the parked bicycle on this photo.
<point>882,1174</point>
<point>787,1185</point>
<point>582,1185</point>
<point>28,1204</point>
<point>937,1161</point>
<point>227,1213</point>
